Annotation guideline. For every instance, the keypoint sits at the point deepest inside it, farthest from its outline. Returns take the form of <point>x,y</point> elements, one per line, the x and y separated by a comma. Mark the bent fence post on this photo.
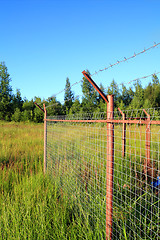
<point>110,156</point>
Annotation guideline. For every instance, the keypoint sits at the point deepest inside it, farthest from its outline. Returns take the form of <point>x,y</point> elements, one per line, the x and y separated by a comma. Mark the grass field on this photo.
<point>31,206</point>
<point>69,203</point>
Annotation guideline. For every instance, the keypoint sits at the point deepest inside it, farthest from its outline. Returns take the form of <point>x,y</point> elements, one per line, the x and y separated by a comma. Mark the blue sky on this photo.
<point>43,42</point>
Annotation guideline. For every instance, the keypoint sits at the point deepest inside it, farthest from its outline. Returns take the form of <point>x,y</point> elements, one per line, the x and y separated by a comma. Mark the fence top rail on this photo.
<point>137,116</point>
<point>154,122</point>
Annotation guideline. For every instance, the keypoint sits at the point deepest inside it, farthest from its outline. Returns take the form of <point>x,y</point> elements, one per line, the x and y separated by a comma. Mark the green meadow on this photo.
<point>31,204</point>
<point>69,201</point>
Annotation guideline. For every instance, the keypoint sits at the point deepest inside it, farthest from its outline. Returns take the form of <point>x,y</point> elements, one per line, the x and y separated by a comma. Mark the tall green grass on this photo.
<point>31,204</point>
<point>60,205</point>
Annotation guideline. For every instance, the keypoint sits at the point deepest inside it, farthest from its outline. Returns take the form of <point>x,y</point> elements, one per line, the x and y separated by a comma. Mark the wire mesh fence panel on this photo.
<point>136,178</point>
<point>77,159</point>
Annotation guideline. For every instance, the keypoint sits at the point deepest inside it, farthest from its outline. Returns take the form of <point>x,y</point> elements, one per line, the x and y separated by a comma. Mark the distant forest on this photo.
<point>14,108</point>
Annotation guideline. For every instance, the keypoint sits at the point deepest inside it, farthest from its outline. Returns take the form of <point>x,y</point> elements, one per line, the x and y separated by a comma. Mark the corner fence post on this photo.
<point>109,167</point>
<point>110,156</point>
<point>45,138</point>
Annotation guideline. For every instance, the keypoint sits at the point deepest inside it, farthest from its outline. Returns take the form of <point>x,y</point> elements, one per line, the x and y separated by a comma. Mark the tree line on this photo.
<point>14,108</point>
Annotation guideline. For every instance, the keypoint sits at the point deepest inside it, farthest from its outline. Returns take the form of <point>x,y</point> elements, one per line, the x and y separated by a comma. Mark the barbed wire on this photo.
<point>117,85</point>
<point>110,66</point>
<point>126,59</point>
<point>67,88</point>
<point>54,96</point>
<point>137,79</point>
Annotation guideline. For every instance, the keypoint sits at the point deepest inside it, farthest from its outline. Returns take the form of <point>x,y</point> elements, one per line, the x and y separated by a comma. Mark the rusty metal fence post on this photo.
<point>109,167</point>
<point>45,137</point>
<point>110,156</point>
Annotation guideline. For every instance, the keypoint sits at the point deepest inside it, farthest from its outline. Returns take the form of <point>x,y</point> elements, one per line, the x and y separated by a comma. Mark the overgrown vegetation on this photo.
<point>14,108</point>
<point>31,205</point>
<point>71,205</point>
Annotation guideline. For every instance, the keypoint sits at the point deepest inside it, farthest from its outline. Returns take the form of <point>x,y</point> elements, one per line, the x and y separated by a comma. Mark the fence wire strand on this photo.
<point>126,59</point>
<point>104,89</point>
<point>111,66</point>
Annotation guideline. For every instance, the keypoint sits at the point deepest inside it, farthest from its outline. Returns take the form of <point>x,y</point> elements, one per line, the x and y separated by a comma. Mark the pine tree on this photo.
<point>127,95</point>
<point>17,100</point>
<point>138,99</point>
<point>68,96</point>
<point>5,93</point>
<point>56,107</point>
<point>114,90</point>
<point>28,110</point>
<point>75,107</point>
<point>152,92</point>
